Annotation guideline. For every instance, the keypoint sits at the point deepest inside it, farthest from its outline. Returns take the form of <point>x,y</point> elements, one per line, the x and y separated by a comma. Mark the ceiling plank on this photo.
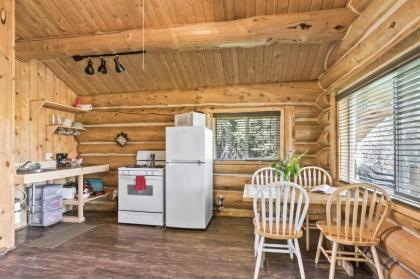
<point>404,21</point>
<point>308,27</point>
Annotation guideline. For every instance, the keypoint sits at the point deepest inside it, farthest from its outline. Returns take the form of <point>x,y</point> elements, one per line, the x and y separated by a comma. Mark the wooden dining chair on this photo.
<point>263,177</point>
<point>355,214</point>
<point>310,177</point>
<point>280,210</point>
<point>266,176</point>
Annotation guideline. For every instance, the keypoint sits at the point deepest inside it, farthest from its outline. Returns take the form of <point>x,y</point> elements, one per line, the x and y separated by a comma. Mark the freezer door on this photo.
<point>188,144</point>
<point>186,195</point>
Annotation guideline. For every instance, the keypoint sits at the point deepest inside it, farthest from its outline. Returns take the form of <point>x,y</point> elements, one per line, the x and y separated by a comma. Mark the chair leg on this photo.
<point>318,250</point>
<point>307,233</point>
<point>355,251</point>
<point>263,259</point>
<point>299,259</point>
<point>377,263</point>
<point>333,260</point>
<point>256,242</point>
<point>290,243</point>
<point>259,256</point>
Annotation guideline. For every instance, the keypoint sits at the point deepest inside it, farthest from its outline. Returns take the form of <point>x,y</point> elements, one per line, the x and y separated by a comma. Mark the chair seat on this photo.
<point>274,235</point>
<point>366,240</point>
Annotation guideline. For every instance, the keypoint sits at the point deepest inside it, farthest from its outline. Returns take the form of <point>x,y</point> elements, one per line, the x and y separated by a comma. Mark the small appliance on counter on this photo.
<point>141,190</point>
<point>61,159</point>
<point>190,119</point>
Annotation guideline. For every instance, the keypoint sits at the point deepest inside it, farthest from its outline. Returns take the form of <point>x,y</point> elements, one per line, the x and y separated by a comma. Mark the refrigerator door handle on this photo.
<point>186,162</point>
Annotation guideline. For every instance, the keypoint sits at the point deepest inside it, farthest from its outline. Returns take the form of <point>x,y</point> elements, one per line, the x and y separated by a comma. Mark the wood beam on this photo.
<point>358,6</point>
<point>409,44</point>
<point>289,120</point>
<point>272,94</point>
<point>404,21</point>
<point>367,22</point>
<point>307,27</point>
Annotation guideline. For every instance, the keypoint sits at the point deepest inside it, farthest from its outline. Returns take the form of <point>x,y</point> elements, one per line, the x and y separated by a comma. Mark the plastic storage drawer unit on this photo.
<point>47,209</point>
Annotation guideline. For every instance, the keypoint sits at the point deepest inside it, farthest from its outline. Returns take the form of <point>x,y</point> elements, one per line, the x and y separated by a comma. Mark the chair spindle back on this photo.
<point>280,208</point>
<point>363,207</point>
<point>266,176</point>
<point>312,176</point>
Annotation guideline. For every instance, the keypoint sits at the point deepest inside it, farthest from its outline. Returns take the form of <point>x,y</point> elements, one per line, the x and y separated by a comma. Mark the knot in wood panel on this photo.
<point>303,26</point>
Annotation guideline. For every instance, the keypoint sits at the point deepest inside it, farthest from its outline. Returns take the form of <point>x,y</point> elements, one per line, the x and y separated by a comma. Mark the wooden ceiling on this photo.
<point>193,69</point>
<point>47,18</point>
<point>36,19</point>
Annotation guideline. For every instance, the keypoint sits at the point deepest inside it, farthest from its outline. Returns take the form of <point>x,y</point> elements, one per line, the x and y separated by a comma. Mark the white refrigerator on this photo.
<point>189,177</point>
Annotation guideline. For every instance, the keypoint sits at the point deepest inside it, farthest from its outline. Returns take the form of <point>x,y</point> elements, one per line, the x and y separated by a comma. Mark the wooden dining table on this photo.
<point>314,198</point>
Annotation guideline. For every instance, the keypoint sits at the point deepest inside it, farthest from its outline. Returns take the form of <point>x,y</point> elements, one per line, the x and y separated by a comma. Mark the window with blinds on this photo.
<point>379,132</point>
<point>247,136</point>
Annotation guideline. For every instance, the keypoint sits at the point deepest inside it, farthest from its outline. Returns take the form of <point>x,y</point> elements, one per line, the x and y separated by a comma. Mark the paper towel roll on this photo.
<point>86,107</point>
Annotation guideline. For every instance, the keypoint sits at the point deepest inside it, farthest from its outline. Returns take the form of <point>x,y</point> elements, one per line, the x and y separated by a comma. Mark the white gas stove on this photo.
<point>145,206</point>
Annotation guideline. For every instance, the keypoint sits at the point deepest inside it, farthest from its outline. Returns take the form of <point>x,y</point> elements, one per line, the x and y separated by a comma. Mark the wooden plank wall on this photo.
<point>7,106</point>
<point>152,111</point>
<point>33,138</point>
<point>34,81</point>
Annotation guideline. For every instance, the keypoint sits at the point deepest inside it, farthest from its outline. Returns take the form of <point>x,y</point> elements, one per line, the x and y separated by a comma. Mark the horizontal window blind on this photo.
<point>407,129</point>
<point>247,136</point>
<point>379,132</point>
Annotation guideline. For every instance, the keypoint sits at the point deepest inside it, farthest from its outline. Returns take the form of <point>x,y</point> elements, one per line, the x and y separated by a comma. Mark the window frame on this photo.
<point>262,110</point>
<point>372,77</point>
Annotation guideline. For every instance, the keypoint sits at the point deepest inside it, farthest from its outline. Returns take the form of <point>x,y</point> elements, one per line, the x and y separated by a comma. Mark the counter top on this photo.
<point>51,174</point>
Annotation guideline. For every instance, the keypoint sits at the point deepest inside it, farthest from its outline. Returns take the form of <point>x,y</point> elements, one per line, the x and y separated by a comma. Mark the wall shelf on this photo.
<point>72,131</point>
<point>36,105</point>
<point>67,127</point>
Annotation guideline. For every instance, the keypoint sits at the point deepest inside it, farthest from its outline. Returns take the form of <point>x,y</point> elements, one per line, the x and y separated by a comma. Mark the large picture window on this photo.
<point>247,136</point>
<point>379,132</point>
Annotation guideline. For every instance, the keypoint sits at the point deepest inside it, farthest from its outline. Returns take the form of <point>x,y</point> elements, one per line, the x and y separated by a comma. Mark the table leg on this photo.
<point>80,203</point>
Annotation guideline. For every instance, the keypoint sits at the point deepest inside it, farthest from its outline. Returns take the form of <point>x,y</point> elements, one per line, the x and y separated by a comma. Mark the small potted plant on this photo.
<point>289,166</point>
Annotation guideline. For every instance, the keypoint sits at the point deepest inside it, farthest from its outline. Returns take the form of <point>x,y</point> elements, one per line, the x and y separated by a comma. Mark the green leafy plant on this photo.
<point>289,166</point>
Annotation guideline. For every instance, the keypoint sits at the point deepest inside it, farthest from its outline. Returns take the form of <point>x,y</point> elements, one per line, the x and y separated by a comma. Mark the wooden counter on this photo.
<point>58,174</point>
<point>48,175</point>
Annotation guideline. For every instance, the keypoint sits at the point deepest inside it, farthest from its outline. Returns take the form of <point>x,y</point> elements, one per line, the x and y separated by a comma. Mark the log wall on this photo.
<point>144,116</point>
<point>33,138</point>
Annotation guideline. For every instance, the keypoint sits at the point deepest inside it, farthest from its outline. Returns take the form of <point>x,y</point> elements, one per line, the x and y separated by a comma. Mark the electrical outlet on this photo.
<point>220,201</point>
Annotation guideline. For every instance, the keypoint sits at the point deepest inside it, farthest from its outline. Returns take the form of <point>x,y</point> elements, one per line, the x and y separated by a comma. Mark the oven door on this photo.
<point>149,200</point>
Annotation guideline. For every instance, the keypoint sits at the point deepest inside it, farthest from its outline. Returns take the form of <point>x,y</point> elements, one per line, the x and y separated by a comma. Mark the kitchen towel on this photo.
<point>140,183</point>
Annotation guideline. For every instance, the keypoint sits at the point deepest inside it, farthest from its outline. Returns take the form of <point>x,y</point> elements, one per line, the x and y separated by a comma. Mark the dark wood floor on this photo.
<point>110,250</point>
